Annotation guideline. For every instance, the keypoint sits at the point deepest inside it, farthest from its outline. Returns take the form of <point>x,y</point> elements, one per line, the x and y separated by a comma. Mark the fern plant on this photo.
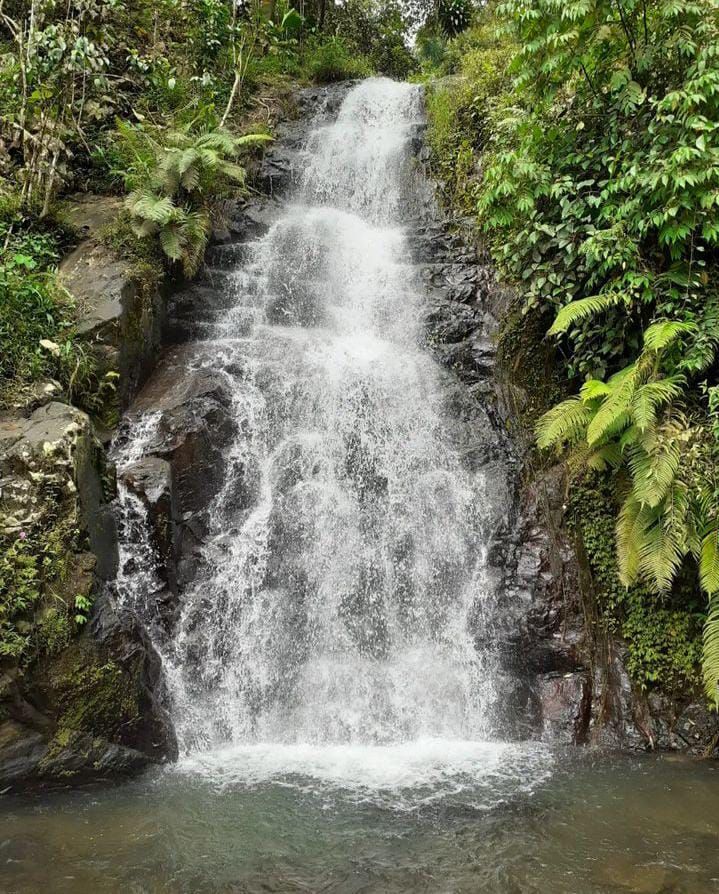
<point>635,422</point>
<point>172,203</point>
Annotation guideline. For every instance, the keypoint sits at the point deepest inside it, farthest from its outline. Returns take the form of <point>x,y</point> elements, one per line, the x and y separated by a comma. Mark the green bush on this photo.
<point>333,61</point>
<point>587,142</point>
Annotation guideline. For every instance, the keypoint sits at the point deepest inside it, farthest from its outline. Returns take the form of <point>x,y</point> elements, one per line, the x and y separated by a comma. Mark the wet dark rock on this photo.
<point>151,480</point>
<point>94,709</point>
<point>196,425</point>
<point>564,703</point>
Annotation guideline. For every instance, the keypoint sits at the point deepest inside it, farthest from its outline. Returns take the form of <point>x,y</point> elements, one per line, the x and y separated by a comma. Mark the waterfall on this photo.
<point>342,601</point>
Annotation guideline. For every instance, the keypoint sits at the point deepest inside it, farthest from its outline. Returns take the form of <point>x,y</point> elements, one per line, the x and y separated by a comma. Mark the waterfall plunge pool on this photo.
<point>426,817</point>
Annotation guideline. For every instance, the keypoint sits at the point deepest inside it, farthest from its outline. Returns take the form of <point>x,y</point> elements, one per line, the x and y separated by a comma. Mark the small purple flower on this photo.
<point>23,535</point>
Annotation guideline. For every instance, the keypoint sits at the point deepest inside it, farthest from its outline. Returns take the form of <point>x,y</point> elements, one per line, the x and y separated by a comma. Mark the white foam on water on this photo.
<point>408,774</point>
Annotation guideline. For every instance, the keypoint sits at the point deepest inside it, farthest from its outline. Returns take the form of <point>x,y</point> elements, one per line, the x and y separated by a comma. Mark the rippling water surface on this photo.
<point>433,818</point>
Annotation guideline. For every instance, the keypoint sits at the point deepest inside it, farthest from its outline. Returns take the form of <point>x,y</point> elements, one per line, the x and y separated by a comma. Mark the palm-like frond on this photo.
<point>563,424</point>
<point>660,553</point>
<point>148,205</point>
<point>710,654</point>
<point>650,397</point>
<point>233,171</point>
<point>653,472</point>
<point>576,311</point>
<point>613,414</point>
<point>631,526</point>
<point>220,140</point>
<point>709,562</point>
<point>660,335</point>
<point>171,241</point>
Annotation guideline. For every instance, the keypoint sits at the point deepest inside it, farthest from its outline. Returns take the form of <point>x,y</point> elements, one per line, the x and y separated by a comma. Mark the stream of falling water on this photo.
<point>334,630</point>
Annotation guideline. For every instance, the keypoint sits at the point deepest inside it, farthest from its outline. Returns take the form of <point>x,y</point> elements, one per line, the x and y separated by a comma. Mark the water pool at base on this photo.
<point>501,819</point>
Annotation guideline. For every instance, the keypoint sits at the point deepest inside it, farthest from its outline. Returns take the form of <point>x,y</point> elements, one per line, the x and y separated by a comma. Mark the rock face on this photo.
<point>120,320</point>
<point>572,683</point>
<point>71,706</point>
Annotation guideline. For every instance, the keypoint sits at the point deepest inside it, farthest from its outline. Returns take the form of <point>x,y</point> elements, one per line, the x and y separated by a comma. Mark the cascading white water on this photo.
<point>340,609</point>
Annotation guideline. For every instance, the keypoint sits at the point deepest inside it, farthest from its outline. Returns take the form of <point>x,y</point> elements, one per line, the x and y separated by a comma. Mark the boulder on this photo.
<point>564,703</point>
<point>118,318</point>
<point>85,700</point>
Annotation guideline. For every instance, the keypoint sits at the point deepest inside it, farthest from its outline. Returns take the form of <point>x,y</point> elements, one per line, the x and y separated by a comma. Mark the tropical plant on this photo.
<point>599,192</point>
<point>670,507</point>
<point>172,202</point>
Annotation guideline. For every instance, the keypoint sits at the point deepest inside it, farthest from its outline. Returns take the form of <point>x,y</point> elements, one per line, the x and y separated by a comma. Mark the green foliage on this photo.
<point>34,617</point>
<point>176,173</point>
<point>461,106</point>
<point>19,593</point>
<point>334,61</point>
<point>597,190</point>
<point>662,632</point>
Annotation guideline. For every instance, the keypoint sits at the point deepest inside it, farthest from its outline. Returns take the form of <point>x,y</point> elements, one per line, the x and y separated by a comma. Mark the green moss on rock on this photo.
<point>663,638</point>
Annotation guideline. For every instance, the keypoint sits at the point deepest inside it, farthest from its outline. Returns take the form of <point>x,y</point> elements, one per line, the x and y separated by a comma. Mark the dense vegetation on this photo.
<point>154,99</point>
<point>583,136</point>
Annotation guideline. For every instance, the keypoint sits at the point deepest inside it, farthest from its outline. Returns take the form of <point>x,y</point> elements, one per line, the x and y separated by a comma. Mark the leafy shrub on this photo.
<point>175,173</point>
<point>333,61</point>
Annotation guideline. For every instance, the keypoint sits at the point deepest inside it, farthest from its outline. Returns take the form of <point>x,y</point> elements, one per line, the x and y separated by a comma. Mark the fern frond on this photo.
<point>233,171</point>
<point>709,563</point>
<point>660,335</point>
<point>649,398</point>
<point>145,204</point>
<point>187,159</point>
<point>631,526</point>
<point>143,228</point>
<point>579,310</point>
<point>609,456</point>
<point>190,178</point>
<point>710,652</point>
<point>613,415</point>
<point>660,554</point>
<point>220,140</point>
<point>594,388</point>
<point>168,175</point>
<point>171,241</point>
<point>653,472</point>
<point>564,423</point>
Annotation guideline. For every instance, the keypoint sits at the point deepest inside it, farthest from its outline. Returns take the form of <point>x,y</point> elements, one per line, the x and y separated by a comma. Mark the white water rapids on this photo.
<point>333,629</point>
